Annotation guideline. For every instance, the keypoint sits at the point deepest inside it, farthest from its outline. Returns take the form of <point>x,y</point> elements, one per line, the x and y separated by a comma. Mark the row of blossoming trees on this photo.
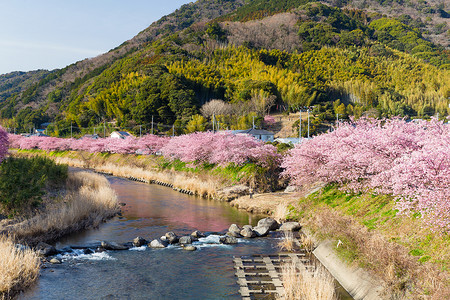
<point>202,147</point>
<point>410,160</point>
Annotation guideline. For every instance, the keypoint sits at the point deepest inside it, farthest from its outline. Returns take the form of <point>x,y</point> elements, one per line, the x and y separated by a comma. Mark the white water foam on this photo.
<point>79,254</point>
<point>142,248</point>
<point>210,242</point>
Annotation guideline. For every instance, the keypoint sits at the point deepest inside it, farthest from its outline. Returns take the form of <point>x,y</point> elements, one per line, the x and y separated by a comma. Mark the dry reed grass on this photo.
<point>133,166</point>
<point>18,268</point>
<point>299,283</point>
<point>288,242</point>
<point>307,243</point>
<point>88,202</point>
<point>202,186</point>
<point>403,274</point>
<point>281,211</point>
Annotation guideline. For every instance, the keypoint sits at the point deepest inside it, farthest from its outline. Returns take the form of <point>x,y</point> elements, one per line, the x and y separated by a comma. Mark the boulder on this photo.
<point>158,243</point>
<point>269,222</point>
<point>198,234</point>
<point>248,233</point>
<point>290,226</point>
<point>228,240</point>
<point>172,238</point>
<point>113,246</point>
<point>247,226</point>
<point>234,230</point>
<point>45,250</point>
<point>139,241</point>
<point>185,240</point>
<point>190,248</point>
<point>55,261</point>
<point>261,230</point>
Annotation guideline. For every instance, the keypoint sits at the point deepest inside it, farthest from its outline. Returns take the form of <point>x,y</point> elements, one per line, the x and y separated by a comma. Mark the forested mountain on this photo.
<point>341,56</point>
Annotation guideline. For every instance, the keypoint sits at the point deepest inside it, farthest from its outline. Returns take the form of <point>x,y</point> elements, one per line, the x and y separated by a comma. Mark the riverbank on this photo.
<point>86,201</point>
<point>371,250</point>
<point>180,176</point>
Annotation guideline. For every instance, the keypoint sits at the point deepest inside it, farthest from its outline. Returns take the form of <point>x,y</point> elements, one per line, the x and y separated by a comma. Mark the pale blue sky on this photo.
<point>49,34</point>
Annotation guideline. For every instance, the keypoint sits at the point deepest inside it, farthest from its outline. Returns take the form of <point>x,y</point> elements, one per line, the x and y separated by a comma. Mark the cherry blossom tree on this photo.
<point>4,143</point>
<point>409,160</point>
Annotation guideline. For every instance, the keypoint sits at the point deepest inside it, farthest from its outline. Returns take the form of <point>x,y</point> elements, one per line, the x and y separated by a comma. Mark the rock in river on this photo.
<point>172,238</point>
<point>197,234</point>
<point>158,244</point>
<point>44,249</point>
<point>139,241</point>
<point>261,230</point>
<point>228,240</point>
<point>185,240</point>
<point>234,230</point>
<point>113,246</point>
<point>269,222</point>
<point>290,226</point>
<point>190,248</point>
<point>55,261</point>
<point>248,233</point>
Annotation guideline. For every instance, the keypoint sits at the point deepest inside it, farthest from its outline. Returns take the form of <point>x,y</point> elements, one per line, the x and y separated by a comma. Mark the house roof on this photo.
<point>91,136</point>
<point>253,131</point>
<point>122,133</point>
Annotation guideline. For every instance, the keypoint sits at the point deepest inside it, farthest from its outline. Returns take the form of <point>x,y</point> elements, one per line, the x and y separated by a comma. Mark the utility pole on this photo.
<point>140,131</point>
<point>253,121</point>
<point>214,123</point>
<point>152,124</point>
<point>337,120</point>
<point>300,127</point>
<point>173,130</point>
<point>308,123</point>
<point>94,130</point>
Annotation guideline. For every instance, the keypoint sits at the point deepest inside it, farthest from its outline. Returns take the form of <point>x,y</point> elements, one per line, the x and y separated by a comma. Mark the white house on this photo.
<point>120,134</point>
<point>260,134</point>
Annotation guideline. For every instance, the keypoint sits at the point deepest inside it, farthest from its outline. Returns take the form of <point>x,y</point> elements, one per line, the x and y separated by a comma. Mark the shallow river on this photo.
<point>143,273</point>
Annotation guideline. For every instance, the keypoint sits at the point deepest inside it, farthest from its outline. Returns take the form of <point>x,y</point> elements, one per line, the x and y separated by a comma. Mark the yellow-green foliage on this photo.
<point>389,82</point>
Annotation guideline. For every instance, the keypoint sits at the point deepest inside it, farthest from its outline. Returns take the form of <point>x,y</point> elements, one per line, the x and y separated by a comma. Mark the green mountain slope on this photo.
<point>253,54</point>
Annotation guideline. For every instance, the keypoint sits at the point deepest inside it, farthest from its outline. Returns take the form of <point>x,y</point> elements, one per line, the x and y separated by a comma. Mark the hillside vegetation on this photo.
<point>258,55</point>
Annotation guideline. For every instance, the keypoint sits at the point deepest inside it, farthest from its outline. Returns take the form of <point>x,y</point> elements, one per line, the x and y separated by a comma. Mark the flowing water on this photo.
<point>144,273</point>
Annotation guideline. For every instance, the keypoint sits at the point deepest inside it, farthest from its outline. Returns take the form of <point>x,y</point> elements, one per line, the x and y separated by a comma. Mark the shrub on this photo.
<point>22,181</point>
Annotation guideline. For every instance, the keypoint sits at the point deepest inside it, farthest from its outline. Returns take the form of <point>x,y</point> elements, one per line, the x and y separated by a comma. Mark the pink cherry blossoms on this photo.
<point>215,148</point>
<point>4,143</point>
<point>220,148</point>
<point>410,160</point>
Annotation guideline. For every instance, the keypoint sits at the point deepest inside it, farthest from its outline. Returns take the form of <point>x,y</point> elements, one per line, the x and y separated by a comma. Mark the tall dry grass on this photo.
<point>204,186</point>
<point>307,243</point>
<point>288,241</point>
<point>88,202</point>
<point>281,211</point>
<point>299,283</point>
<point>18,268</point>
<point>403,274</point>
